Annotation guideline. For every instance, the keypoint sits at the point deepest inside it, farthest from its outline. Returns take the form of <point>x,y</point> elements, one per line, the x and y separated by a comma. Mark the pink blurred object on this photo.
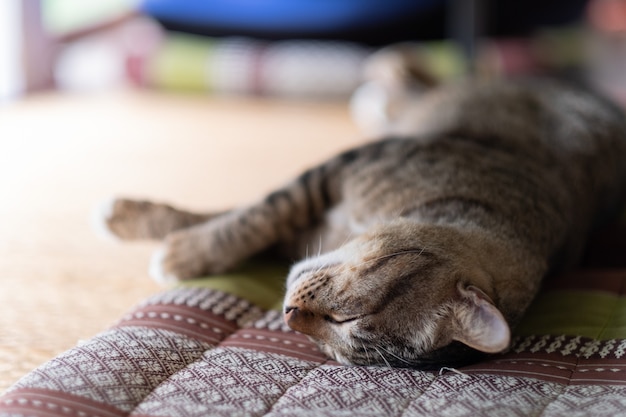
<point>41,49</point>
<point>38,49</point>
<point>606,47</point>
<point>608,15</point>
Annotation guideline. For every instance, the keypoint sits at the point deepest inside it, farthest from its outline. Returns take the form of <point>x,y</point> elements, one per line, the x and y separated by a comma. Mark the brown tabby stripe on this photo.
<point>316,183</point>
<point>306,181</point>
<point>380,262</point>
<point>463,201</point>
<point>490,143</point>
<point>313,185</point>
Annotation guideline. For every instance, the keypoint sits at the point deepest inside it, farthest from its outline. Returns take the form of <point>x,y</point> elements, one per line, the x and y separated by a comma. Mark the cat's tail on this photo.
<point>128,219</point>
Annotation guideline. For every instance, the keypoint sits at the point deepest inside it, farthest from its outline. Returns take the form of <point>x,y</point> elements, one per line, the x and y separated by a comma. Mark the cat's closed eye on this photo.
<point>338,319</point>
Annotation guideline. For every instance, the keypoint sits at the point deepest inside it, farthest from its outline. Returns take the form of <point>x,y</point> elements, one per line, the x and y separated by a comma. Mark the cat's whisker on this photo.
<point>319,247</point>
<point>395,356</point>
<point>382,356</point>
<point>367,354</point>
<point>348,238</point>
<point>321,267</point>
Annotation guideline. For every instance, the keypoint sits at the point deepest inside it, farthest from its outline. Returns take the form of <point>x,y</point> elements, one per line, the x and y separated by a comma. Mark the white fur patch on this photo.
<point>368,107</point>
<point>98,219</point>
<point>315,263</point>
<point>155,269</point>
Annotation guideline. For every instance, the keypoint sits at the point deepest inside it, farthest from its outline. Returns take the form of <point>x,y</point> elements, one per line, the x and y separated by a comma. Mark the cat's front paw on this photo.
<point>104,219</point>
<point>125,219</point>
<point>186,255</point>
<point>160,270</point>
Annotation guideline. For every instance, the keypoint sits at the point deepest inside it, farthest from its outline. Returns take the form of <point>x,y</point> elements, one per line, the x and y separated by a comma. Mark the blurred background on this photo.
<point>208,104</point>
<point>299,48</point>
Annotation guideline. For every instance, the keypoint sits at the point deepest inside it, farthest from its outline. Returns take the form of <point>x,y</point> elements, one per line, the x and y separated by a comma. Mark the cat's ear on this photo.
<point>478,323</point>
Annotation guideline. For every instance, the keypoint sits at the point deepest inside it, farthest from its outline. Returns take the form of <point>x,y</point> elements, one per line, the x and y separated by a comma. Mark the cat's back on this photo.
<point>569,129</point>
<point>543,159</point>
<point>541,125</point>
<point>526,110</point>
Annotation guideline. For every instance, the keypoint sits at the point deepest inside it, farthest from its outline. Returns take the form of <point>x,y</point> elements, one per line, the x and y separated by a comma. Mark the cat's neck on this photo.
<point>506,269</point>
<point>514,270</point>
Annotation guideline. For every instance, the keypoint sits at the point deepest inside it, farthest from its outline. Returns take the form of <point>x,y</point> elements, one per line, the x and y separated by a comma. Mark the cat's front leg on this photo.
<point>189,253</point>
<point>222,242</point>
<point>215,246</point>
<point>130,219</point>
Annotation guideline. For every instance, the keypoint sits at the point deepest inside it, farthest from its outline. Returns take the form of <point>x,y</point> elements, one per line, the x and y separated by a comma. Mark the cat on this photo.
<point>430,243</point>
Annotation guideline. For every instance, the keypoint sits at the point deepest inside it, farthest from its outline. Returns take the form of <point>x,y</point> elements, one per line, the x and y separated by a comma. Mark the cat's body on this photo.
<point>435,239</point>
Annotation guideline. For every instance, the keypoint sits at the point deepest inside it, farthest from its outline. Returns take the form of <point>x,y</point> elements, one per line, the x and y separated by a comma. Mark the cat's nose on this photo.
<point>305,321</point>
<point>300,320</point>
<point>289,315</point>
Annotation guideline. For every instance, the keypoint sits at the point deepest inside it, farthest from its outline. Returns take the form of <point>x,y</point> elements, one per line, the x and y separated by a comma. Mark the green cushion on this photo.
<point>589,313</point>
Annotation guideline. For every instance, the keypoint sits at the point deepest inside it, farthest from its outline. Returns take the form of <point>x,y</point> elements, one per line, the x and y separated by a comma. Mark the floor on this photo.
<point>60,155</point>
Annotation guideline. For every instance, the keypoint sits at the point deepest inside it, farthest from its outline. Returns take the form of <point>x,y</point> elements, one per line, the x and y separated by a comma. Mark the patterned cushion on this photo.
<point>199,351</point>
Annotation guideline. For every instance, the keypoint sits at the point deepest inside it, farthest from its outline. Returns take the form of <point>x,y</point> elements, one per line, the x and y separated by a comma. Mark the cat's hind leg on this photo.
<point>129,219</point>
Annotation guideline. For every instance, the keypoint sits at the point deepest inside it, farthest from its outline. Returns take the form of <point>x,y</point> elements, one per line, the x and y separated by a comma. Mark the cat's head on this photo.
<point>401,295</point>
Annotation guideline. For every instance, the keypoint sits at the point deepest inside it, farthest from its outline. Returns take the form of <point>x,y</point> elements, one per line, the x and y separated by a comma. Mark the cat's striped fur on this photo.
<point>433,241</point>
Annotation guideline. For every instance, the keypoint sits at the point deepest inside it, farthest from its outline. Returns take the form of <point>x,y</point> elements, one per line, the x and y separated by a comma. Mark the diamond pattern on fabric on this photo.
<point>573,346</point>
<point>119,367</point>
<point>197,352</point>
<point>226,382</point>
<point>461,395</point>
<point>348,391</point>
<point>589,400</point>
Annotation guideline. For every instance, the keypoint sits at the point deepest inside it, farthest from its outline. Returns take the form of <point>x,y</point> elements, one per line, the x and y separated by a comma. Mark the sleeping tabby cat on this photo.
<point>433,241</point>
